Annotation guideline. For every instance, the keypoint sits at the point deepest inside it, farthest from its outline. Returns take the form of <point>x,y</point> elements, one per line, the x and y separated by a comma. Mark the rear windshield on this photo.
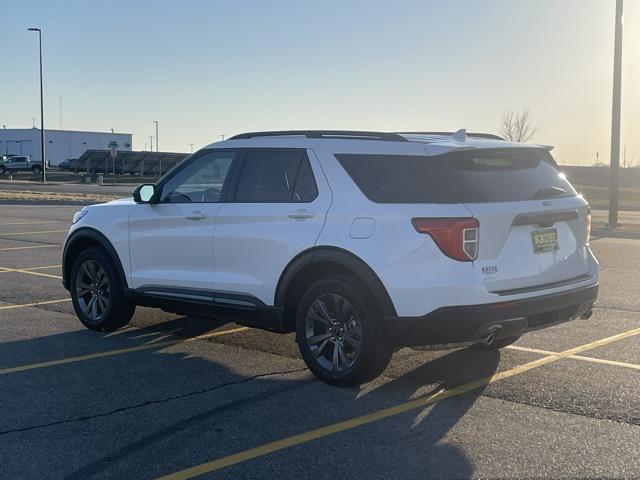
<point>468,176</point>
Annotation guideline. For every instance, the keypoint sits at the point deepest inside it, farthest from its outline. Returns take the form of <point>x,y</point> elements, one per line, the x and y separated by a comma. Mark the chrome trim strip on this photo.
<point>546,286</point>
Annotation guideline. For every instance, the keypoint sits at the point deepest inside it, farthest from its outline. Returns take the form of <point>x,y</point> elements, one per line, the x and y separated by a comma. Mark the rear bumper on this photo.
<point>473,323</point>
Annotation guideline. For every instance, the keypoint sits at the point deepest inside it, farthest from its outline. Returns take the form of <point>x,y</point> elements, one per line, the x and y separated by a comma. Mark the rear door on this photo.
<point>275,211</point>
<point>532,223</point>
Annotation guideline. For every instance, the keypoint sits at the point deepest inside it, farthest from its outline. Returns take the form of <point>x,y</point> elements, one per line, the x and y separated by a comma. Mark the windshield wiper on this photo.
<point>548,192</point>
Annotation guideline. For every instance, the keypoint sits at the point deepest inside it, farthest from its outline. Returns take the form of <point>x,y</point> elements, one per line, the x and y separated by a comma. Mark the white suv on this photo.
<point>360,242</point>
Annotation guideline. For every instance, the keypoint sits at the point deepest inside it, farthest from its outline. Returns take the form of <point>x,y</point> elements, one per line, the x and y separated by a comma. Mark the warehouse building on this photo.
<point>59,144</point>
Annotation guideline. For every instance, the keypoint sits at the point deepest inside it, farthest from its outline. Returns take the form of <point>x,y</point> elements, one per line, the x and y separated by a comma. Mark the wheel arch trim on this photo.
<point>342,258</point>
<point>100,239</point>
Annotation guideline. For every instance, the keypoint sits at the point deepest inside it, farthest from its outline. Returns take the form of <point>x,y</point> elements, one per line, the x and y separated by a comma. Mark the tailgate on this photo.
<point>531,244</point>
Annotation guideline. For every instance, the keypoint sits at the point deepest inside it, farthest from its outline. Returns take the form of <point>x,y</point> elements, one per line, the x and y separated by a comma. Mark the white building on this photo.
<point>59,144</point>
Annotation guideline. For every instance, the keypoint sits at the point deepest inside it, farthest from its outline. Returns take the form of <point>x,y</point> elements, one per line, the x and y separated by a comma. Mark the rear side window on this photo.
<point>469,176</point>
<point>276,176</point>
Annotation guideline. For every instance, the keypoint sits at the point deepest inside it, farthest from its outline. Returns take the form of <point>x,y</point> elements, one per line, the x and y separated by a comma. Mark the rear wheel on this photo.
<point>97,293</point>
<point>498,344</point>
<point>3,170</point>
<point>340,333</point>
<point>36,169</point>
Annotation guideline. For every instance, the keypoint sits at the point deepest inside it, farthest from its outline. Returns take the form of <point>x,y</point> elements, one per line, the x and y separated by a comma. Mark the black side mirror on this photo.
<point>145,193</point>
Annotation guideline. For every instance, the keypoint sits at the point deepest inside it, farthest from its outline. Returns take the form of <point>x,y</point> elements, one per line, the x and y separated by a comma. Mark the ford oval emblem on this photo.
<point>547,203</point>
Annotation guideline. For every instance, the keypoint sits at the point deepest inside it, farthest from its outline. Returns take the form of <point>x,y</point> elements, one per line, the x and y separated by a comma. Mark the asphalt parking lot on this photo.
<point>176,397</point>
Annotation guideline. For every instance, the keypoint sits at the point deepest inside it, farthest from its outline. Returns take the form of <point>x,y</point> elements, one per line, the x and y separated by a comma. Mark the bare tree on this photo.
<point>516,125</point>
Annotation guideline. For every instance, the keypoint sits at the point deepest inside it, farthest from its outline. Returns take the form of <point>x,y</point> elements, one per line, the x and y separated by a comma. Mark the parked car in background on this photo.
<point>20,163</point>
<point>65,166</point>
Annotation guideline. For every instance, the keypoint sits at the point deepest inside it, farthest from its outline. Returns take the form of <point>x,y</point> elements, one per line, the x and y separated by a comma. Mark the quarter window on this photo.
<point>306,189</point>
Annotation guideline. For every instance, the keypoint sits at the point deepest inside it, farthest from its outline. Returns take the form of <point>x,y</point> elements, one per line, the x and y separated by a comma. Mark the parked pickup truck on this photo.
<point>20,164</point>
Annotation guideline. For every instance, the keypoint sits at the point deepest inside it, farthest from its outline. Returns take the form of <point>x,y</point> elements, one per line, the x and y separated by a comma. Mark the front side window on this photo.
<point>201,181</point>
<point>276,176</point>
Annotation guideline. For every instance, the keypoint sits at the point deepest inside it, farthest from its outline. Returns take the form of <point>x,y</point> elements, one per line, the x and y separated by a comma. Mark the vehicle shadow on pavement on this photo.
<point>426,452</point>
<point>84,341</point>
<point>162,391</point>
<point>127,404</point>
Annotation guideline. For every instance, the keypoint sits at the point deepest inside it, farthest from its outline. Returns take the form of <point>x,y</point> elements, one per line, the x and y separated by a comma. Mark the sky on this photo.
<point>203,69</point>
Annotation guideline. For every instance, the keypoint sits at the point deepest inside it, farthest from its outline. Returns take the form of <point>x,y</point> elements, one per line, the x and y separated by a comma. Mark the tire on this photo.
<point>3,170</point>
<point>94,278</point>
<point>340,312</point>
<point>498,344</point>
<point>36,170</point>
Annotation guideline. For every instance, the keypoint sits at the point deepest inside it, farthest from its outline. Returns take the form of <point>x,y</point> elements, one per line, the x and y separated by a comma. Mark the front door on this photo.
<point>171,242</point>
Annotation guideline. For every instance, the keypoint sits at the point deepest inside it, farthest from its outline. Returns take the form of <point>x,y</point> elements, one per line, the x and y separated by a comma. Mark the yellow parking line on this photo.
<point>32,223</point>
<point>29,272</point>
<point>41,268</point>
<point>31,233</point>
<point>111,353</point>
<point>603,361</point>
<point>29,247</point>
<point>531,350</point>
<point>385,413</point>
<point>34,304</point>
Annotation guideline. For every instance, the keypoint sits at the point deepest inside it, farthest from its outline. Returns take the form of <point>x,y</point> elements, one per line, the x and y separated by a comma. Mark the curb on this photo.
<point>606,233</point>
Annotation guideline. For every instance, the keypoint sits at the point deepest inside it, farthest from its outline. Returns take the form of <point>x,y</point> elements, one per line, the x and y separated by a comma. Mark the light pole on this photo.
<point>44,162</point>
<point>160,160</point>
<point>156,122</point>
<point>614,169</point>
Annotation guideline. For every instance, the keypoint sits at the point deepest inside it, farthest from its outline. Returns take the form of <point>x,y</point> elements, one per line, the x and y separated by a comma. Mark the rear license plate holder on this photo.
<point>545,240</point>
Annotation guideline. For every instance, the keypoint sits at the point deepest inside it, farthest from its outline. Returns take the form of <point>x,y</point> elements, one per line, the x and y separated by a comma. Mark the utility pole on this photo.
<point>191,147</point>
<point>160,160</point>
<point>151,142</point>
<point>614,170</point>
<point>44,161</point>
<point>157,144</point>
<point>60,122</point>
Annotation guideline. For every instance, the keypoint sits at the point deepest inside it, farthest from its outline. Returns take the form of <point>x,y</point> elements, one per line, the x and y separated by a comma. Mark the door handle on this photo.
<point>302,213</point>
<point>197,215</point>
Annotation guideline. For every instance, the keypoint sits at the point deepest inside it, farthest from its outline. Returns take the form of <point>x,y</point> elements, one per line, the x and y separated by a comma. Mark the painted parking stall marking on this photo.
<point>120,351</point>
<point>388,412</point>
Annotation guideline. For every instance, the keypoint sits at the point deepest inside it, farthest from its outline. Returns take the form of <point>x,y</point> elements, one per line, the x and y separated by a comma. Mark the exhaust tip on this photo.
<point>586,315</point>
<point>490,338</point>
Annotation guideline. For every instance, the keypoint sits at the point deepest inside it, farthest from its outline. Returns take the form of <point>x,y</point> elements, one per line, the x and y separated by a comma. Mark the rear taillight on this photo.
<point>587,227</point>
<point>456,237</point>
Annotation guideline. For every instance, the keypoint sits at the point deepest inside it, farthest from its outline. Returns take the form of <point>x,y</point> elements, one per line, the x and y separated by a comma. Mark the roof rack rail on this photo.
<point>333,134</point>
<point>448,134</point>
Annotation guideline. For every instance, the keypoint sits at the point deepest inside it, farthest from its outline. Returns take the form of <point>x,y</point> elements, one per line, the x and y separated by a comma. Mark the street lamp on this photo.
<point>156,122</point>
<point>614,166</point>
<point>44,162</point>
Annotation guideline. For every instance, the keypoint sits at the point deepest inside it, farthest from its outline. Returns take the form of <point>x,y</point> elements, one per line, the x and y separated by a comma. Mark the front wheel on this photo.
<point>97,293</point>
<point>340,333</point>
<point>3,170</point>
